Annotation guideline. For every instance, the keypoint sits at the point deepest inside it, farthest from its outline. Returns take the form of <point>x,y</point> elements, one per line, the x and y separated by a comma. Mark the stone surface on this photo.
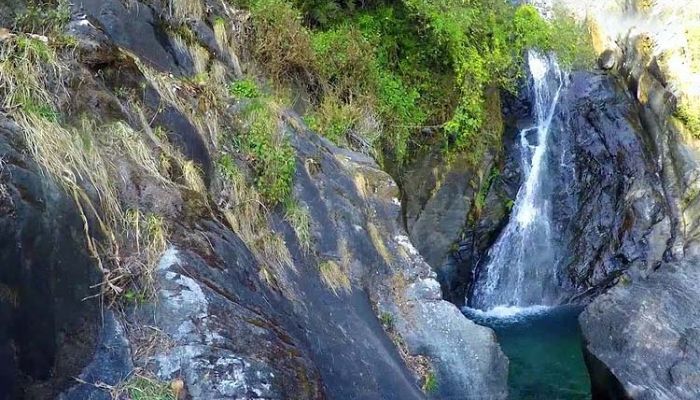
<point>643,336</point>
<point>47,328</point>
<point>614,207</point>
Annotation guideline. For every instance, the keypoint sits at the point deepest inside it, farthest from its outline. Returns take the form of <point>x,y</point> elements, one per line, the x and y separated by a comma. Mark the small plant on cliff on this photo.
<point>334,277</point>
<point>387,321</point>
<point>300,220</point>
<point>244,89</point>
<point>272,157</point>
<point>690,118</point>
<point>141,387</point>
<point>431,384</point>
<point>44,17</point>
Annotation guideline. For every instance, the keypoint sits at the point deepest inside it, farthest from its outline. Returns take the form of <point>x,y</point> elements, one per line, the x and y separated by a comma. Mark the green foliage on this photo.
<point>226,167</point>
<point>387,321</point>
<point>345,60</point>
<point>27,67</point>
<point>689,117</point>
<point>143,388</point>
<point>431,384</point>
<point>273,158</point>
<point>409,64</point>
<point>244,89</point>
<point>44,17</point>
<point>333,119</point>
<point>571,41</point>
<point>282,45</point>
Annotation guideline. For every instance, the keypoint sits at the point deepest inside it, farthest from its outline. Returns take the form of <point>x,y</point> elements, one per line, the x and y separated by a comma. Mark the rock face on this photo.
<point>643,336</point>
<point>613,207</point>
<point>47,328</point>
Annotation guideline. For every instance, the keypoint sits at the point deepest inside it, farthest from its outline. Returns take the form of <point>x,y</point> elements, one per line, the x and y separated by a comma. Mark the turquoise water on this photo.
<point>544,349</point>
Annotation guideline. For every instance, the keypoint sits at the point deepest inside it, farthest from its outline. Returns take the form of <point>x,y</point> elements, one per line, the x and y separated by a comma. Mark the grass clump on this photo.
<point>244,209</point>
<point>334,277</point>
<point>140,387</point>
<point>299,218</point>
<point>31,77</point>
<point>334,119</point>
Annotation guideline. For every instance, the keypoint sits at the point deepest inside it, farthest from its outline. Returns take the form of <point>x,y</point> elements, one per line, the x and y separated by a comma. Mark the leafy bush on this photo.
<point>44,17</point>
<point>345,61</point>
<point>244,89</point>
<point>282,45</point>
<point>431,384</point>
<point>413,63</point>
<point>273,158</point>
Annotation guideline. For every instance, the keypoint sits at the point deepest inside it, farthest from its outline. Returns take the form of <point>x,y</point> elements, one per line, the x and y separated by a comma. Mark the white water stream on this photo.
<point>522,270</point>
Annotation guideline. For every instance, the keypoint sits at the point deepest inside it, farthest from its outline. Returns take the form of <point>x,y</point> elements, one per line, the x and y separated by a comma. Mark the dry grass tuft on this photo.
<point>247,215</point>
<point>334,277</point>
<point>81,158</point>
<point>378,242</point>
<point>186,10</point>
<point>299,218</point>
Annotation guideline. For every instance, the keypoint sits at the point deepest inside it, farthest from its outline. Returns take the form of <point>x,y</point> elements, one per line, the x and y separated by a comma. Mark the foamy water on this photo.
<point>506,313</point>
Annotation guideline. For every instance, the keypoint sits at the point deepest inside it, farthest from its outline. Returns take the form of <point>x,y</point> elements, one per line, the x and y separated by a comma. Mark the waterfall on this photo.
<point>522,267</point>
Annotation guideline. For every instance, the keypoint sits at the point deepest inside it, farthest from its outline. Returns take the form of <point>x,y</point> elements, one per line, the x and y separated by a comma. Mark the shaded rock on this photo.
<point>612,201</point>
<point>436,328</point>
<point>49,320</point>
<point>646,337</point>
<point>136,27</point>
<point>607,60</point>
<point>111,365</point>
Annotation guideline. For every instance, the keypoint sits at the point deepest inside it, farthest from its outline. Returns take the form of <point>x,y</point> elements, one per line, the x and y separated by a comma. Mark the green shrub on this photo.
<point>273,158</point>
<point>689,117</point>
<point>431,384</point>
<point>333,119</point>
<point>412,64</point>
<point>345,61</point>
<point>281,45</point>
<point>44,17</point>
<point>299,218</point>
<point>572,41</point>
<point>244,89</point>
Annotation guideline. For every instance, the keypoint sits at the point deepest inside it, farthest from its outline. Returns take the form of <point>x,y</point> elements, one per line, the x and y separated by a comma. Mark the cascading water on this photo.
<point>522,266</point>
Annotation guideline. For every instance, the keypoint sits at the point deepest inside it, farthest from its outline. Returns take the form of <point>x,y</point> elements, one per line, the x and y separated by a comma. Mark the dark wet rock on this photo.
<point>438,195</point>
<point>614,209</point>
<point>641,339</point>
<point>607,60</point>
<point>137,28</point>
<point>111,365</point>
<point>47,327</point>
<point>444,222</point>
<point>644,333</point>
<point>478,370</point>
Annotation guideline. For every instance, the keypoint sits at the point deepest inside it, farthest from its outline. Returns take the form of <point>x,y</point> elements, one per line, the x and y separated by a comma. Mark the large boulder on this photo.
<point>642,338</point>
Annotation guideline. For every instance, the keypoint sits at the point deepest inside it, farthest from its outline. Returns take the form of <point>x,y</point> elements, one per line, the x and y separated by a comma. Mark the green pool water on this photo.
<point>544,349</point>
